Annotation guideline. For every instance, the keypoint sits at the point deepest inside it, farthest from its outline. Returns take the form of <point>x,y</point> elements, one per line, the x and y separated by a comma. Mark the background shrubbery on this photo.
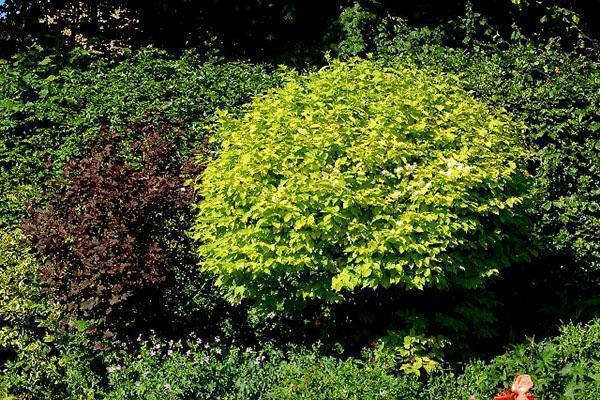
<point>55,103</point>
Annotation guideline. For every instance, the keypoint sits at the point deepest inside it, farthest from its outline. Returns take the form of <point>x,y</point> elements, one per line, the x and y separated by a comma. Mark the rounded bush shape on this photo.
<point>360,176</point>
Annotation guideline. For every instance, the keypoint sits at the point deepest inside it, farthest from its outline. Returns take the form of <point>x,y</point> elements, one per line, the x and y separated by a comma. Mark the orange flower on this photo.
<point>519,390</point>
<point>521,386</point>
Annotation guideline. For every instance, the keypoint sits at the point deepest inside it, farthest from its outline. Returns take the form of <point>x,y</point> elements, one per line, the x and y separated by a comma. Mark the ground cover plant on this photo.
<point>407,209</point>
<point>565,366</point>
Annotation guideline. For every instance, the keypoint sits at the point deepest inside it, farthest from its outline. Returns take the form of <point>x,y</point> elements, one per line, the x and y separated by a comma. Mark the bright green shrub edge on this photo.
<point>298,199</point>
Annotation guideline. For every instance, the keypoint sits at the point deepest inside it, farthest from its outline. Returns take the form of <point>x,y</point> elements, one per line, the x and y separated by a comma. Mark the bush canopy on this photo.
<point>360,176</point>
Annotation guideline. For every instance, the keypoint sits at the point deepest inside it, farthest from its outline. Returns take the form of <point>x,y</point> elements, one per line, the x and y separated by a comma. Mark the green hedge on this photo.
<point>557,96</point>
<point>52,103</point>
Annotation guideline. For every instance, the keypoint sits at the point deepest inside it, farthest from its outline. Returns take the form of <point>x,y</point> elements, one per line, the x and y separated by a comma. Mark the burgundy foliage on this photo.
<point>114,228</point>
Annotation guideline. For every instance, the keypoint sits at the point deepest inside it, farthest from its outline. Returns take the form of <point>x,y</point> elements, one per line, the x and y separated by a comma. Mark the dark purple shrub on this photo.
<point>112,237</point>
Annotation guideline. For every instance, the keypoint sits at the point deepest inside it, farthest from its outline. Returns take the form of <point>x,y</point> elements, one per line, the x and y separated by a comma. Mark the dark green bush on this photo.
<point>52,104</point>
<point>557,96</point>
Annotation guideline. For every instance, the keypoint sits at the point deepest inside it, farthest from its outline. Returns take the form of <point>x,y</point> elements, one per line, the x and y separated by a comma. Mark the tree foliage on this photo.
<point>259,28</point>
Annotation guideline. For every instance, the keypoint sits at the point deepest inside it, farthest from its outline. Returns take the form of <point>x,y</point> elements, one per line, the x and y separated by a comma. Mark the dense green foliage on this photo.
<point>359,177</point>
<point>29,321</point>
<point>563,367</point>
<point>53,103</point>
<point>554,93</point>
<point>557,98</point>
<point>387,195</point>
<point>18,289</point>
